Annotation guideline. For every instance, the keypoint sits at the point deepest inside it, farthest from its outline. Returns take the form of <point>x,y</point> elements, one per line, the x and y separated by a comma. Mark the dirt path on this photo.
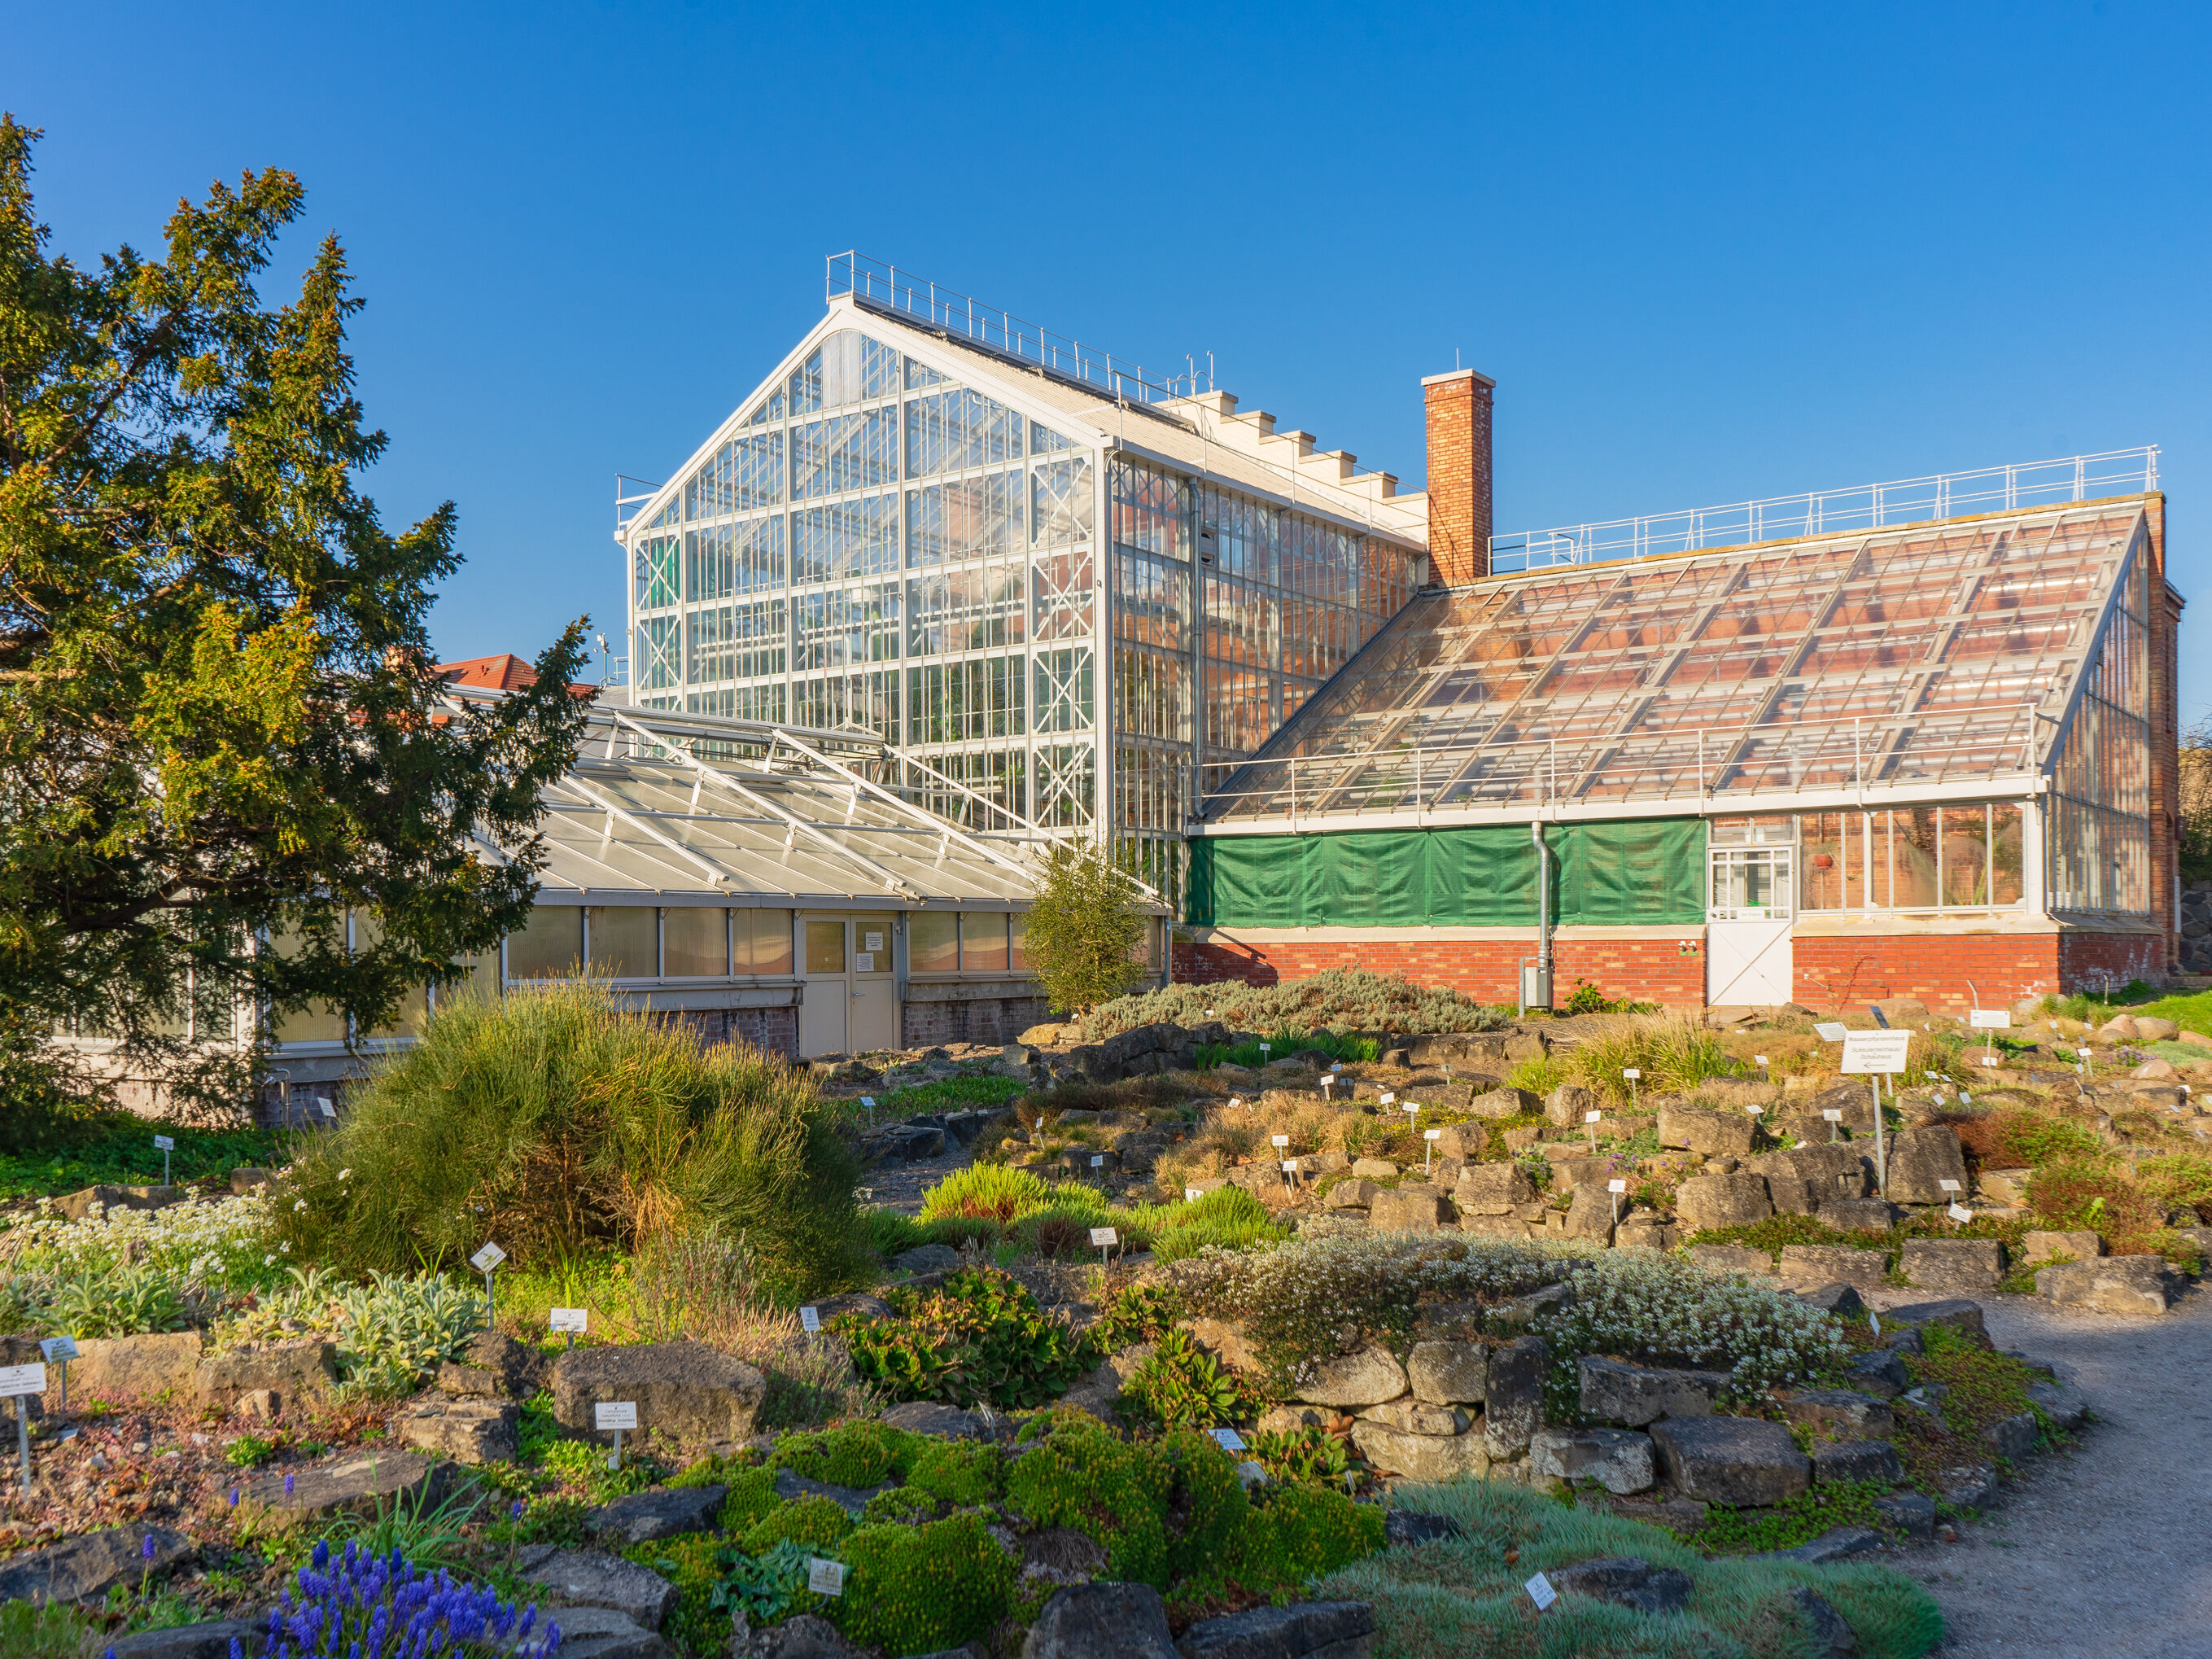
<point>2103,1552</point>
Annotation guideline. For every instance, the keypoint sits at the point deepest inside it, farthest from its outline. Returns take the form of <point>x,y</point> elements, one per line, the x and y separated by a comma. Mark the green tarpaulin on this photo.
<point>1643,872</point>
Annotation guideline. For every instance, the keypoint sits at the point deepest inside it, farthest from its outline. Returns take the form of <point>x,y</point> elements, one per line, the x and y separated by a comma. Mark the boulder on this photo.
<point>1840,1299</point>
<point>1842,1411</point>
<point>1854,1100</point>
<point>2013,1438</point>
<point>934,1417</point>
<point>1732,1259</point>
<point>2005,1188</point>
<point>603,1633</point>
<point>1805,1266</point>
<point>1354,1194</point>
<point>136,1367</point>
<point>1859,1215</point>
<point>1827,1174</point>
<point>1959,1314</point>
<point>1741,1461</point>
<point>1952,1264</point>
<point>790,1484</point>
<point>1642,1230</point>
<point>94,1202</point>
<point>2040,1248</point>
<point>1101,1621</point>
<point>466,1431</point>
<point>1716,1134</point>
<point>1634,1395</point>
<point>1513,1397</point>
<point>1568,1104</point>
<point>1837,1544</point>
<point>686,1389</point>
<point>1426,1457</point>
<point>85,1567</point>
<point>1227,1341</point>
<point>1857,1460</point>
<point>1503,1102</point>
<point>1448,1373</point>
<point>1413,1416</point>
<point>209,1641</point>
<point>2066,1406</point>
<point>592,1578</point>
<point>664,1512</point>
<point>1920,1160</point>
<point>298,1369</point>
<point>1373,1168</point>
<point>1466,1142</point>
<point>1627,1581</point>
<point>1590,1214</point>
<point>494,1365</point>
<point>358,1483</point>
<point>1910,1512</point>
<point>1619,1460</point>
<point>1368,1377</point>
<point>1878,1372</point>
<point>1303,1630</point>
<point>1292,1419</point>
<point>1408,1210</point>
<point>1723,1200</point>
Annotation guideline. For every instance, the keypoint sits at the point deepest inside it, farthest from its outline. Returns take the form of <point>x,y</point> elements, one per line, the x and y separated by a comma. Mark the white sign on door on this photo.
<point>864,961</point>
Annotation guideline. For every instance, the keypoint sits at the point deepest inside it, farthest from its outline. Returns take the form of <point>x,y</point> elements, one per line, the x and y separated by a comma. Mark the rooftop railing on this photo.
<point>1833,512</point>
<point>886,288</point>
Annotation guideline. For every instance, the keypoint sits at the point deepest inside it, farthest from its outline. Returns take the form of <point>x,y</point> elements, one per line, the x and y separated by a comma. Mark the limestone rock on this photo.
<point>1859,1215</point>
<point>466,1431</point>
<point>1840,1299</point>
<point>1591,1213</point>
<point>2013,1438</point>
<point>1226,1340</point>
<point>1303,1630</point>
<point>85,1567</point>
<point>2039,1248</point>
<point>682,1389</point>
<point>1492,1189</point>
<point>1354,1194</point>
<point>1634,1395</point>
<point>1448,1373</point>
<point>1826,1174</point>
<point>1373,1168</point>
<point>1732,1259</point>
<point>1842,1410</point>
<point>1959,1314</point>
<point>1368,1377</point>
<point>494,1365</point>
<point>1627,1581</point>
<point>358,1483</point>
<point>135,1367</point>
<point>853,1500</point>
<point>666,1512</point>
<point>1291,1419</point>
<point>291,1370</point>
<point>1716,1134</point>
<point>2066,1406</point>
<point>1408,1210</point>
<point>1723,1200</point>
<point>1741,1461</point>
<point>1568,1104</point>
<point>1101,1621</point>
<point>1421,1456</point>
<point>934,1417</point>
<point>1619,1460</point>
<point>603,1633</point>
<point>1920,1160</point>
<point>1911,1512</point>
<point>1857,1460</point>
<point>1503,1102</point>
<point>208,1641</point>
<point>592,1578</point>
<point>1952,1264</point>
<point>247,1177</point>
<point>1416,1417</point>
<point>1805,1266</point>
<point>1641,1231</point>
<point>1513,1400</point>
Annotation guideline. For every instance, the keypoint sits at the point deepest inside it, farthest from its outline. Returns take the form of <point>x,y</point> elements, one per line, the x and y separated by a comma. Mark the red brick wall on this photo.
<point>2164,715</point>
<point>1459,410</point>
<point>1652,970</point>
<point>2089,962</point>
<point>1846,973</point>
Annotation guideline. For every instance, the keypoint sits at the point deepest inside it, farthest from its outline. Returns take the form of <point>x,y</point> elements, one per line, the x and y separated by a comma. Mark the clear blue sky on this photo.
<point>1708,253</point>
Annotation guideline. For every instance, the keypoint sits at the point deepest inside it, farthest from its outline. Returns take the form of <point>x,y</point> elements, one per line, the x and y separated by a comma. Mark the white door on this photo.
<point>1749,959</point>
<point>823,967</point>
<point>871,1017</point>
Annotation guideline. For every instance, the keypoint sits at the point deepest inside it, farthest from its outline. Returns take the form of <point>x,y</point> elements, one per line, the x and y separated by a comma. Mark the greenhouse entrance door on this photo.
<point>1749,959</point>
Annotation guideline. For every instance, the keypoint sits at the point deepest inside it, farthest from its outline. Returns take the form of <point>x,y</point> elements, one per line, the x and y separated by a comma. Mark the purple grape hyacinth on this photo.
<point>355,1604</point>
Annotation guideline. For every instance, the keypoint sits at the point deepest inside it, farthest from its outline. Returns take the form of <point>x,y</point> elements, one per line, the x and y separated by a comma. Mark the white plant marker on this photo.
<point>825,1577</point>
<point>1105,1238</point>
<point>1097,1160</point>
<point>615,1414</point>
<point>1227,1439</point>
<point>1761,1061</point>
<point>1948,1186</point>
<point>16,1383</point>
<point>1540,1592</point>
<point>1960,1213</point>
<point>869,1101</point>
<point>59,1350</point>
<point>1616,1187</point>
<point>484,1261</point>
<point>1834,1115</point>
<point>164,1145</point>
<point>1429,1138</point>
<point>1631,1073</point>
<point>569,1321</point>
<point>1190,1195</point>
<point>810,1321</point>
<point>1279,1140</point>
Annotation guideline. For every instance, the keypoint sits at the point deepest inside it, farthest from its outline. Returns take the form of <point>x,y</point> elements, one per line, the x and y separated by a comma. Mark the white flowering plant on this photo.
<point>211,1251</point>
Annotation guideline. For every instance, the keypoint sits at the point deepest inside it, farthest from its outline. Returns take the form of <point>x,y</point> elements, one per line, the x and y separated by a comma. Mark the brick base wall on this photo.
<point>1936,968</point>
<point>771,1030</point>
<point>2090,962</point>
<point>1652,970</point>
<point>981,1019</point>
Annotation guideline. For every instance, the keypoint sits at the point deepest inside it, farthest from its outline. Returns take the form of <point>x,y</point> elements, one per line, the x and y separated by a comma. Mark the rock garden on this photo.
<point>1320,1320</point>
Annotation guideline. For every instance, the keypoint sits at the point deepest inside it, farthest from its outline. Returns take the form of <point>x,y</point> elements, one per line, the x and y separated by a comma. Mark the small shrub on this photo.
<point>249,1451</point>
<point>1307,1456</point>
<point>960,1474</point>
<point>1298,1533</point>
<point>1340,999</point>
<point>850,1455</point>
<point>992,1190</point>
<point>820,1521</point>
<point>981,1337</point>
<point>123,1301</point>
<point>752,1499</point>
<point>904,1506</point>
<point>919,1589</point>
<point>1081,1475</point>
<point>1182,1386</point>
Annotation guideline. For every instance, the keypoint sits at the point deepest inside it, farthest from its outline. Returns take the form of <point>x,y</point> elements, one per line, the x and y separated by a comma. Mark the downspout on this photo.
<point>1543,986</point>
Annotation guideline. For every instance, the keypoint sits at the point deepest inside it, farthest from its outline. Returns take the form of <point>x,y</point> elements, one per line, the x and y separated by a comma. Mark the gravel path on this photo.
<point>2103,1551</point>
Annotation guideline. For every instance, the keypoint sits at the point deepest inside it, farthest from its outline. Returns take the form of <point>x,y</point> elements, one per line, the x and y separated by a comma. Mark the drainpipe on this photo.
<point>1542,999</point>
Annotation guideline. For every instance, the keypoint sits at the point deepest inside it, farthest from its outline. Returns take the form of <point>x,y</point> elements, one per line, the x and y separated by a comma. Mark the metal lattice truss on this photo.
<point>706,809</point>
<point>1923,661</point>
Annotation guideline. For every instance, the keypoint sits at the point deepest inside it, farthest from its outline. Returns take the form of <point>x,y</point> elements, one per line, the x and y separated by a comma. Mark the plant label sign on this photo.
<point>613,1414</point>
<point>1833,1114</point>
<point>1432,1134</point>
<point>1387,1098</point>
<point>1102,1236</point>
<point>1960,1212</point>
<point>1830,1030</point>
<point>1758,1060</point>
<point>1335,1066</point>
<point>869,1101</point>
<point>59,1349</point>
<point>1632,1074</point>
<point>1875,1052</point>
<point>1290,1166</point>
<point>810,1321</point>
<point>1948,1186</point>
<point>1756,1111</point>
<point>1097,1160</point>
<point>323,1105</point>
<point>1593,1117</point>
<point>1229,1440</point>
<point>1540,1592</point>
<point>487,1258</point>
<point>1190,1195</point>
<point>1616,1186</point>
<point>1279,1140</point>
<point>825,1577</point>
<point>1989,1059</point>
<point>1989,1019</point>
<point>572,1320</point>
<point>164,1144</point>
<point>22,1379</point>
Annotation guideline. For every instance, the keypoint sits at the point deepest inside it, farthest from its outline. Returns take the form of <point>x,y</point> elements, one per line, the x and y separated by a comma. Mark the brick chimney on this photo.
<point>1459,476</point>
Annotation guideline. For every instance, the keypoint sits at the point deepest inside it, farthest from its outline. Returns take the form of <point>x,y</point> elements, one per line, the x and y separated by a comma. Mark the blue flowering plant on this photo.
<point>355,1604</point>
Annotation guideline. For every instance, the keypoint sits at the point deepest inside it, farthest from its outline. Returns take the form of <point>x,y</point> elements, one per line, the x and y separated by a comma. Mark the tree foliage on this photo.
<point>219,720</point>
<point>1085,929</point>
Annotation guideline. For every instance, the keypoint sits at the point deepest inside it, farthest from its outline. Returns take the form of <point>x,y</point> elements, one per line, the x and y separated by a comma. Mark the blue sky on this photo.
<point>1709,252</point>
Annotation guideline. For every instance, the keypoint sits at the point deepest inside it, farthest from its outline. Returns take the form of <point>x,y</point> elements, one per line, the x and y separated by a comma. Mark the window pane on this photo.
<point>768,933</point>
<point>932,942</point>
<point>1018,955</point>
<point>413,1005</point>
<point>871,945</point>
<point>1878,883</point>
<point>623,942</point>
<point>550,946</point>
<point>2005,855</point>
<point>1966,855</point>
<point>825,947</point>
<point>983,943</point>
<point>695,943</point>
<point>1822,866</point>
<point>1913,853</point>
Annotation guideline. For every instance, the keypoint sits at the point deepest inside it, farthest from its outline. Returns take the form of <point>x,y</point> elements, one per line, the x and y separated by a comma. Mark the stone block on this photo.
<point>1732,1259</point>
<point>1412,1416</point>
<point>686,1389</point>
<point>1910,1512</point>
<point>466,1431</point>
<point>1805,1266</point>
<point>2005,1188</point>
<point>208,1641</point>
<point>1590,1214</point>
<point>1857,1460</point>
<point>603,1633</point>
<point>358,1483</point>
<point>1841,1411</point>
<point>1920,1160</point>
<point>85,1567</point>
<point>1723,1200</point>
<point>2066,1406</point>
<point>1716,1134</point>
<point>136,1367</point>
<point>1373,1168</point>
<point>1422,1456</point>
<point>1464,1141</point>
<point>1619,1460</point>
<point>1625,1581</point>
<point>494,1365</point>
<point>1513,1401</point>
<point>1226,1340</point>
<point>1644,1231</point>
<point>1302,1629</point>
<point>1831,1174</point>
<point>592,1578</point>
<point>291,1370</point>
<point>1959,1313</point>
<point>1741,1461</point>
<point>1878,1372</point>
<point>1368,1377</point>
<point>2013,1438</point>
<point>1354,1194</point>
<point>1448,1373</point>
<point>2037,1248</point>
<point>1612,1391</point>
<point>1840,1299</point>
<point>1504,1102</point>
<point>1290,1419</point>
<point>1952,1264</point>
<point>247,1177</point>
<point>1860,1215</point>
<point>1837,1544</point>
<point>642,1517</point>
<point>1567,1105</point>
<point>936,1419</point>
<point>1408,1210</point>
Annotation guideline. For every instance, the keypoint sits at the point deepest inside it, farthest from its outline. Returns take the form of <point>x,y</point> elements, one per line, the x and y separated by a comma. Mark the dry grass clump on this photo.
<point>1341,1000</point>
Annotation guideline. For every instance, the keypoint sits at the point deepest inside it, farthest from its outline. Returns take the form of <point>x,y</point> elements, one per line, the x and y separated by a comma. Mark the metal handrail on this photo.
<point>884,286</point>
<point>1706,762</point>
<point>2004,488</point>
